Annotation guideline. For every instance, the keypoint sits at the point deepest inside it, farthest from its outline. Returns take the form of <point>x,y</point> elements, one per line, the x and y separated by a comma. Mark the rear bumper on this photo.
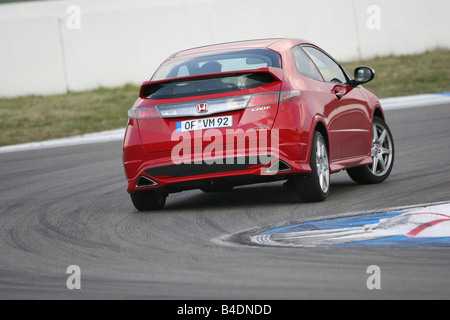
<point>159,171</point>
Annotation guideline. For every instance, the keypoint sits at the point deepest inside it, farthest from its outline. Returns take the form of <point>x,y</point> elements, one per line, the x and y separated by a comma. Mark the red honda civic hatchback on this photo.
<point>239,113</point>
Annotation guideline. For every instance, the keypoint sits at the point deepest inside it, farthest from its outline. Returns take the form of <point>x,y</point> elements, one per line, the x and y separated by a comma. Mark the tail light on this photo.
<point>290,95</point>
<point>143,113</point>
<point>263,99</point>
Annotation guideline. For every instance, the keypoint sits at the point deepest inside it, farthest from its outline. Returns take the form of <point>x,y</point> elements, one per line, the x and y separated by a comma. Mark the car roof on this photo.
<point>276,44</point>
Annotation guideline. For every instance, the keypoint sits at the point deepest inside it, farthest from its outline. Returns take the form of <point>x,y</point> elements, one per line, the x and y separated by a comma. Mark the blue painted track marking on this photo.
<point>383,229</point>
<point>400,241</point>
<point>345,222</point>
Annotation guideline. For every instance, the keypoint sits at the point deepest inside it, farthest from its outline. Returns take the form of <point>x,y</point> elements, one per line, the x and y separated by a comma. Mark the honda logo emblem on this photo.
<point>202,107</point>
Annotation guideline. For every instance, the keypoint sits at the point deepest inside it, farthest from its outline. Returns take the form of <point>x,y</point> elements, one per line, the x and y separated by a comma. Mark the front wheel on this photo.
<point>382,154</point>
<point>148,200</point>
<point>315,186</point>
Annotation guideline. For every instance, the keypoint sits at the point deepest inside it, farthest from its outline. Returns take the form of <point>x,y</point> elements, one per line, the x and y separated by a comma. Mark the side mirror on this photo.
<point>363,75</point>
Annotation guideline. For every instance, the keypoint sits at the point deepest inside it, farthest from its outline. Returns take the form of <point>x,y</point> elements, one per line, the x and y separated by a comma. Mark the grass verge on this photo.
<point>37,118</point>
<point>408,75</point>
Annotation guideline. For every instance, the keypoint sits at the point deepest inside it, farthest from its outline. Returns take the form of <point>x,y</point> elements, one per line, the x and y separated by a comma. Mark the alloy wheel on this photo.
<point>382,150</point>
<point>323,168</point>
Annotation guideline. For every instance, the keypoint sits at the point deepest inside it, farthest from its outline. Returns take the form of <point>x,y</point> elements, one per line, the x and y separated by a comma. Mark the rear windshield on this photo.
<point>197,87</point>
<point>224,61</point>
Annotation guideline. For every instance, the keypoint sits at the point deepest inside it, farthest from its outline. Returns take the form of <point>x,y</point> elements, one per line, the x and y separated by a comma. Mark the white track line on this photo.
<point>423,100</point>
<point>105,136</point>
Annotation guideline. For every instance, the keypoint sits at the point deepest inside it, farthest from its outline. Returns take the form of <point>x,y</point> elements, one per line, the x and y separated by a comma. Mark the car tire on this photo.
<point>148,200</point>
<point>315,186</point>
<point>382,153</point>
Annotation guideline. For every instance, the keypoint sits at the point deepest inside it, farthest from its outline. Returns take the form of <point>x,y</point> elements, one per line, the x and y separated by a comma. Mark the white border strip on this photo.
<point>418,101</point>
<point>105,136</point>
<point>398,103</point>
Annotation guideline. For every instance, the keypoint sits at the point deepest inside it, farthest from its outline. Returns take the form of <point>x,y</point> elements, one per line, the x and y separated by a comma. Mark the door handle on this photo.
<point>339,95</point>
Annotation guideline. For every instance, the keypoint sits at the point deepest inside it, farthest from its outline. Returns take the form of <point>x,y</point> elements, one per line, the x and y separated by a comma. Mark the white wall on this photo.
<point>123,41</point>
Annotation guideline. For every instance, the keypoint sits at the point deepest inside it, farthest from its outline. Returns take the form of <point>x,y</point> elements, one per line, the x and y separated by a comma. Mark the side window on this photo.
<point>330,71</point>
<point>304,64</point>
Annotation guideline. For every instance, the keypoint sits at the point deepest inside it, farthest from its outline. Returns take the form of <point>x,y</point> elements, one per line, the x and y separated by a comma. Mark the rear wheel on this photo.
<point>315,186</point>
<point>148,200</point>
<point>382,154</point>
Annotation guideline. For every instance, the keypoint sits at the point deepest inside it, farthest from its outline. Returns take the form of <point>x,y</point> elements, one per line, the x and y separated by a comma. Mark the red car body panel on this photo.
<point>346,123</point>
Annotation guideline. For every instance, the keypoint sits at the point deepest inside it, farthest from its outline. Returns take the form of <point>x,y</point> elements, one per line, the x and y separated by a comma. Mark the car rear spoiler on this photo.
<point>277,73</point>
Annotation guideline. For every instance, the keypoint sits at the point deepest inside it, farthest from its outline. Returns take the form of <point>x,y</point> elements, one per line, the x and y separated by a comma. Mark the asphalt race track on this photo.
<point>68,206</point>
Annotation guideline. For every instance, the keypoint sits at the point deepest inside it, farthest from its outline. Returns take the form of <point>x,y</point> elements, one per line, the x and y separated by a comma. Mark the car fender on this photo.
<point>378,111</point>
<point>374,104</point>
<point>317,120</point>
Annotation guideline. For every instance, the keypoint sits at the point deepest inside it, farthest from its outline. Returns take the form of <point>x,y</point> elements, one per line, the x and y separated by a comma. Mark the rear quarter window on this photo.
<point>304,64</point>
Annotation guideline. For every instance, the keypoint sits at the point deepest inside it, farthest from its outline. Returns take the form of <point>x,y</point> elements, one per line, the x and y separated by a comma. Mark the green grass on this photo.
<point>12,1</point>
<point>408,75</point>
<point>38,118</point>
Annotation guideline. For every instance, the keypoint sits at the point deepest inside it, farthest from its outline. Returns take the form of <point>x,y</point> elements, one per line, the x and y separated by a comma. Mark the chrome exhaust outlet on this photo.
<point>278,166</point>
<point>145,182</point>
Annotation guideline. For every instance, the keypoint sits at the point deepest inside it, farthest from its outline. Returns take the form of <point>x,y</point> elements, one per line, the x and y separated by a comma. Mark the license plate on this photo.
<point>204,123</point>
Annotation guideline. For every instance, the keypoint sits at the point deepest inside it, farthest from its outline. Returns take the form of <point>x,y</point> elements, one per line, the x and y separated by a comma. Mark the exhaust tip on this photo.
<point>144,182</point>
<point>278,166</point>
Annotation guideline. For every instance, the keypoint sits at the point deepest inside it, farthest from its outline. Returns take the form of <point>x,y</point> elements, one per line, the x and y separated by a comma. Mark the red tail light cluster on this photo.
<point>143,113</point>
<point>263,99</point>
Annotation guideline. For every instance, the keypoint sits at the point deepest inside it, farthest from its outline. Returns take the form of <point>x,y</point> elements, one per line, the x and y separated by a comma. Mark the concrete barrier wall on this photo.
<point>52,47</point>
